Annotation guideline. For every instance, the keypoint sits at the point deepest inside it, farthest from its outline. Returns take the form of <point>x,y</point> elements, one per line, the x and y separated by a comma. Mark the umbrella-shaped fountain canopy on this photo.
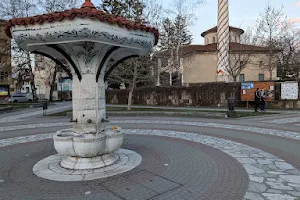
<point>93,42</point>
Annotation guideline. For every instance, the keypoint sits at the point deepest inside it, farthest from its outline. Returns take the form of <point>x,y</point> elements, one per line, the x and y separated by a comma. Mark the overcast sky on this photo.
<point>242,13</point>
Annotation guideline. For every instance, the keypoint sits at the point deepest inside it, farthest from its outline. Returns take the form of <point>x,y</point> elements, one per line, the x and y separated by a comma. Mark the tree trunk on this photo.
<point>271,76</point>
<point>53,82</point>
<point>133,85</point>
<point>234,88</point>
<point>130,99</point>
<point>32,83</point>
<point>270,62</point>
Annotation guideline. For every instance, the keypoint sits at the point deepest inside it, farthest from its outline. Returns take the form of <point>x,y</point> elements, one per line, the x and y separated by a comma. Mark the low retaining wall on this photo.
<point>207,94</point>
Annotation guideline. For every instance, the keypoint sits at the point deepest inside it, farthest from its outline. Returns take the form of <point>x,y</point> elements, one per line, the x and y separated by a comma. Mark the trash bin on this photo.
<point>45,106</point>
<point>230,104</point>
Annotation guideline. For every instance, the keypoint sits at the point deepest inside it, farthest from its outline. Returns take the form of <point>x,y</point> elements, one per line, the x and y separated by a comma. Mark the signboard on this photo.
<point>289,91</point>
<point>247,86</point>
<point>3,90</point>
<point>248,90</point>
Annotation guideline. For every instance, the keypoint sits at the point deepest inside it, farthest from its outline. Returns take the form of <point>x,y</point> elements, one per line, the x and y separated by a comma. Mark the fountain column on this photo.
<point>88,104</point>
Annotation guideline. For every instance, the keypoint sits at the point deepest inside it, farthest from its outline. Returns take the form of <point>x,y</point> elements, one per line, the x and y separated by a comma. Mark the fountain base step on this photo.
<point>105,160</point>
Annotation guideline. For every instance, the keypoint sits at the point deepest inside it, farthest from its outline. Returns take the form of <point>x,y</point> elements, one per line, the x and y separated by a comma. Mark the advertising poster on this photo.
<point>289,91</point>
<point>248,90</point>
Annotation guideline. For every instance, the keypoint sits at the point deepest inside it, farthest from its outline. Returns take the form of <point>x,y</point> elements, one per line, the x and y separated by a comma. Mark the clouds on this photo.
<point>295,20</point>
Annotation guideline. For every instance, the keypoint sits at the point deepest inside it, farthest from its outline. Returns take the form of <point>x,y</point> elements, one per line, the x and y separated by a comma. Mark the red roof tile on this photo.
<point>214,30</point>
<point>213,48</point>
<point>87,10</point>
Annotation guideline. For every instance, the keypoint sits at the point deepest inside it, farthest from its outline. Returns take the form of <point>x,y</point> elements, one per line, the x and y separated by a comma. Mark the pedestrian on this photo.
<point>257,99</point>
<point>263,97</point>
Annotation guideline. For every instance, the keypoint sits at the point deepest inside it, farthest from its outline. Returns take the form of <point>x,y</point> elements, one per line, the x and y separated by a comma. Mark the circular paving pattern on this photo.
<point>170,169</point>
<point>49,168</point>
<point>182,159</point>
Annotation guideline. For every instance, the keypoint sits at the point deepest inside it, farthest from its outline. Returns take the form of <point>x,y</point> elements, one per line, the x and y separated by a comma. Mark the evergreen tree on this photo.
<point>183,35</point>
<point>130,9</point>
<point>167,36</point>
<point>174,36</point>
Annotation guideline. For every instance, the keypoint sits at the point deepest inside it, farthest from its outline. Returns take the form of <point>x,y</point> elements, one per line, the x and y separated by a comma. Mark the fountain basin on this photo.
<point>89,150</point>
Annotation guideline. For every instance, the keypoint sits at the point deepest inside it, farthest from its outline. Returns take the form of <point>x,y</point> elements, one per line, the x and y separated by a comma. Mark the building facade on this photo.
<point>47,73</point>
<point>200,61</point>
<point>6,84</point>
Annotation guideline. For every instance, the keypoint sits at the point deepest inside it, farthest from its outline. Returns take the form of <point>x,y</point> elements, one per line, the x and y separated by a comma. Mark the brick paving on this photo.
<point>202,171</point>
<point>152,179</point>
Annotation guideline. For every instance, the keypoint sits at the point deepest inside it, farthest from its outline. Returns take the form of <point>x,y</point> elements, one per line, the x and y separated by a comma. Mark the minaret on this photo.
<point>223,40</point>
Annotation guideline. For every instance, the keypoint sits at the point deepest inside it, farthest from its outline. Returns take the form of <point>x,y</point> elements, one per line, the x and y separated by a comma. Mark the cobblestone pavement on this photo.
<point>182,159</point>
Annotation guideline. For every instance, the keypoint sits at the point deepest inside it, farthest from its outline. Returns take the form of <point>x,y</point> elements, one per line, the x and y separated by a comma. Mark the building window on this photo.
<point>260,64</point>
<point>236,39</point>
<point>214,39</point>
<point>229,38</point>
<point>207,40</point>
<point>261,77</point>
<point>3,76</point>
<point>242,77</point>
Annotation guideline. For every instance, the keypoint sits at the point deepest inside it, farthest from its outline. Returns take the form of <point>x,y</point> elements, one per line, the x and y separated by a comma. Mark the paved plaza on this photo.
<point>181,158</point>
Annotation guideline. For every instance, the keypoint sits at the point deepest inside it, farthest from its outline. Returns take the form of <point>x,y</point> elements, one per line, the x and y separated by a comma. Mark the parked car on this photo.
<point>18,98</point>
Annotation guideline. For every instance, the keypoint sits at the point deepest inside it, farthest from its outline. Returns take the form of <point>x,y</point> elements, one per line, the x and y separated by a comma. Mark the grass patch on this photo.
<point>15,106</point>
<point>63,114</point>
<point>235,114</point>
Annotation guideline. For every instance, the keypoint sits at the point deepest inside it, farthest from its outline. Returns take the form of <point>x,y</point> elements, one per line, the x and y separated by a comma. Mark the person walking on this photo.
<point>263,97</point>
<point>257,99</point>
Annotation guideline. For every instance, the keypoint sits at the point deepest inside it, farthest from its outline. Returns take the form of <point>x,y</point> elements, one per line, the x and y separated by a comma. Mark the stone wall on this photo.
<point>205,94</point>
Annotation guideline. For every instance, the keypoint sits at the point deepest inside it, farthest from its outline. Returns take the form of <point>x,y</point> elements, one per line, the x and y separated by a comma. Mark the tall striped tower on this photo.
<point>223,40</point>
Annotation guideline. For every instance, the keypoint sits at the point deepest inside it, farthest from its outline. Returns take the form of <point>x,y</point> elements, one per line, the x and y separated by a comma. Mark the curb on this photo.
<point>168,114</point>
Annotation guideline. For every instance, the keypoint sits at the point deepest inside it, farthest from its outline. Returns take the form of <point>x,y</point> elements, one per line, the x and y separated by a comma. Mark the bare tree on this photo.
<point>288,56</point>
<point>240,54</point>
<point>49,6</point>
<point>272,25</point>
<point>22,62</point>
<point>134,73</point>
<point>5,55</point>
<point>176,34</point>
<point>51,68</point>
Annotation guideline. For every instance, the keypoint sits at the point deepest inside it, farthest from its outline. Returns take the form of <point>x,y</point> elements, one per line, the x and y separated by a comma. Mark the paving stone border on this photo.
<point>266,131</point>
<point>284,120</point>
<point>26,126</point>
<point>49,168</point>
<point>271,178</point>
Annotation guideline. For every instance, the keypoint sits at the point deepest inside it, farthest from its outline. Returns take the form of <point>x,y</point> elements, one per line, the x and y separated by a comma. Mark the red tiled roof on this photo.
<point>213,48</point>
<point>215,29</point>
<point>87,10</point>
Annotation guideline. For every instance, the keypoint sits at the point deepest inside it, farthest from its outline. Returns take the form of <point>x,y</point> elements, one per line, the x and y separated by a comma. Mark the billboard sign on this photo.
<point>289,91</point>
<point>247,86</point>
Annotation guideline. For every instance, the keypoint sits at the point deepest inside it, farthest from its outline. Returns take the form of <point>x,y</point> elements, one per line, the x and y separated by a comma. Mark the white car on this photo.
<point>18,98</point>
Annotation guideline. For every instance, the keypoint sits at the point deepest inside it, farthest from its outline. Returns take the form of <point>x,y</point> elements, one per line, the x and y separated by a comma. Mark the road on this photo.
<point>183,158</point>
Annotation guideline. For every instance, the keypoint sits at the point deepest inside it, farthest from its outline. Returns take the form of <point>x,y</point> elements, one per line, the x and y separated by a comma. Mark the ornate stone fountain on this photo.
<point>93,43</point>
